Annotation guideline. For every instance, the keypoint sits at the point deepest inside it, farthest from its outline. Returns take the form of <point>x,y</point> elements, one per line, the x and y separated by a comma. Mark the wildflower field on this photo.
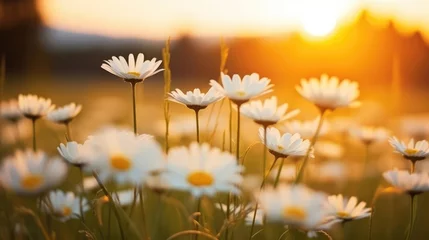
<point>233,160</point>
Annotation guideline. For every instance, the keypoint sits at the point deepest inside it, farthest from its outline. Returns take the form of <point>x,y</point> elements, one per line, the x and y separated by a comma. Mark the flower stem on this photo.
<point>133,87</point>
<point>279,173</point>
<point>413,166</point>
<point>198,216</point>
<point>412,209</point>
<point>68,131</point>
<point>33,120</point>
<point>145,229</point>
<point>197,120</point>
<point>265,153</point>
<point>307,155</point>
<point>112,204</point>
<point>81,197</point>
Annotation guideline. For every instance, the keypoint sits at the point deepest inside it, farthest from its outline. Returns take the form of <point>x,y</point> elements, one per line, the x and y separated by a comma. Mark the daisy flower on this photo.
<point>89,183</point>
<point>157,183</point>
<point>294,205</point>
<point>347,209</point>
<point>329,92</point>
<point>242,90</point>
<point>31,172</point>
<point>369,135</point>
<point>285,145</point>
<point>267,113</point>
<point>195,100</point>
<point>413,183</point>
<point>33,107</point>
<point>64,114</point>
<point>123,156</point>
<point>202,170</point>
<point>10,111</point>
<point>133,71</point>
<point>326,224</point>
<point>306,129</point>
<point>414,152</point>
<point>64,206</point>
<point>328,149</point>
<point>73,153</point>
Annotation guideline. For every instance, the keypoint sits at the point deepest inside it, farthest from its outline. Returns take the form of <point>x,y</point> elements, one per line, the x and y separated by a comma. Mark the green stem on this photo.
<point>371,217</point>
<point>145,229</point>
<point>133,204</point>
<point>68,131</point>
<point>197,120</point>
<point>412,220</point>
<point>33,120</point>
<point>81,197</point>
<point>265,153</point>
<point>279,173</point>
<point>112,204</point>
<point>413,166</point>
<point>307,155</point>
<point>133,87</point>
<point>228,212</point>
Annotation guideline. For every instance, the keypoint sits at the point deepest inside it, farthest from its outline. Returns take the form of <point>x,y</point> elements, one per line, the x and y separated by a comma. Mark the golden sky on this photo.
<point>158,19</point>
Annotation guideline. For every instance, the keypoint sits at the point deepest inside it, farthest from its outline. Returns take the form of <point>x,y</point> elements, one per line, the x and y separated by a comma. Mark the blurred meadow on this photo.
<point>54,49</point>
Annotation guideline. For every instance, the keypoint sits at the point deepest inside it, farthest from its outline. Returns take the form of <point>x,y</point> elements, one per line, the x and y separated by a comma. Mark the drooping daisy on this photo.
<point>120,155</point>
<point>285,145</point>
<point>195,100</point>
<point>34,107</point>
<point>133,71</point>
<point>267,113</point>
<point>306,129</point>
<point>31,172</point>
<point>10,111</point>
<point>413,183</point>
<point>414,152</point>
<point>73,153</point>
<point>202,170</point>
<point>242,90</point>
<point>369,135</point>
<point>329,92</point>
<point>294,205</point>
<point>328,149</point>
<point>64,114</point>
<point>64,206</point>
<point>347,209</point>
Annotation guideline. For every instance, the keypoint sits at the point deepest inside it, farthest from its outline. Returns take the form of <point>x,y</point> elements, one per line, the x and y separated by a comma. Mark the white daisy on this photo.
<point>33,107</point>
<point>242,90</point>
<point>326,224</point>
<point>414,152</point>
<point>285,145</point>
<point>64,206</point>
<point>119,154</point>
<point>64,114</point>
<point>328,149</point>
<point>10,111</point>
<point>267,112</point>
<point>329,93</point>
<point>413,183</point>
<point>31,172</point>
<point>202,170</point>
<point>89,183</point>
<point>250,211</point>
<point>73,153</point>
<point>347,209</point>
<point>133,71</point>
<point>306,129</point>
<point>294,205</point>
<point>195,100</point>
<point>369,135</point>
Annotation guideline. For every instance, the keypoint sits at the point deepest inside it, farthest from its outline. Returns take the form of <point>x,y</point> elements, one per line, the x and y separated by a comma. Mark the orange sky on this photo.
<point>158,19</point>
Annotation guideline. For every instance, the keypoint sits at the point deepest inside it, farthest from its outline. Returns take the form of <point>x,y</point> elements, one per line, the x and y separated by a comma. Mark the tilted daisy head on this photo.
<point>133,71</point>
<point>329,92</point>
<point>10,111</point>
<point>294,205</point>
<point>32,106</point>
<point>414,152</point>
<point>306,129</point>
<point>120,155</point>
<point>74,153</point>
<point>195,100</point>
<point>64,114</point>
<point>369,135</point>
<point>31,172</point>
<point>285,145</point>
<point>202,170</point>
<point>64,206</point>
<point>347,209</point>
<point>413,183</point>
<point>242,90</point>
<point>267,112</point>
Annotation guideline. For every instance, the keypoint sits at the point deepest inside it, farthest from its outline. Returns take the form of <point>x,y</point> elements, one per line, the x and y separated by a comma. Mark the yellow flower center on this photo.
<point>241,93</point>
<point>295,213</point>
<point>137,74</point>
<point>280,147</point>
<point>200,179</point>
<point>411,151</point>
<point>67,211</point>
<point>32,182</point>
<point>343,214</point>
<point>120,162</point>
